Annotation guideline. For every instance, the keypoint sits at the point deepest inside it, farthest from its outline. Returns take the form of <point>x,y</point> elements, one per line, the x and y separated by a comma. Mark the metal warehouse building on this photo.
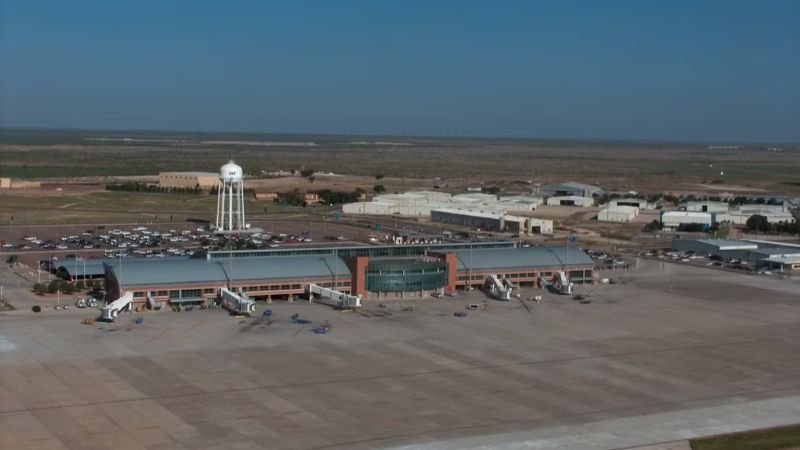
<point>707,206</point>
<point>492,221</point>
<point>411,271</point>
<point>570,200</point>
<point>570,189</point>
<point>758,254</point>
<point>673,220</point>
<point>617,213</point>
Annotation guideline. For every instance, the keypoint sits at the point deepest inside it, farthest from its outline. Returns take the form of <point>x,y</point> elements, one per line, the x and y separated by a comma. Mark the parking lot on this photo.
<point>675,341</point>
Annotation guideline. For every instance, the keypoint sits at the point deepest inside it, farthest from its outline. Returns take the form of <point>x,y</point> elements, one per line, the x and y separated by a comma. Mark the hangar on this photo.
<point>570,189</point>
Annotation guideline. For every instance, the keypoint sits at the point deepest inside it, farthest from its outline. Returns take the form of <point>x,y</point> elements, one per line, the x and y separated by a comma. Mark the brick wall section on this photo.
<point>452,269</point>
<point>358,269</point>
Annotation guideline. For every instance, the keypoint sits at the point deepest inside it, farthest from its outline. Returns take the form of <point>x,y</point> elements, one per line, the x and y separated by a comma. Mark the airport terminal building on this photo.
<point>373,272</point>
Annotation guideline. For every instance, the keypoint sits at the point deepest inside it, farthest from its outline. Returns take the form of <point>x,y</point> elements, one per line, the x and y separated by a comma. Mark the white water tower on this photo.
<point>230,199</point>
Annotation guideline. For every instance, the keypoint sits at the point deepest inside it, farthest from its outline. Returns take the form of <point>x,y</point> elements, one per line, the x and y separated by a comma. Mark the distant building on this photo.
<point>492,221</point>
<point>756,254</point>
<point>570,200</point>
<point>570,189</point>
<point>740,216</point>
<point>266,196</point>
<point>674,220</point>
<point>18,184</point>
<point>707,206</point>
<point>614,213</point>
<point>203,180</point>
<point>8,183</point>
<point>421,203</point>
<point>635,202</point>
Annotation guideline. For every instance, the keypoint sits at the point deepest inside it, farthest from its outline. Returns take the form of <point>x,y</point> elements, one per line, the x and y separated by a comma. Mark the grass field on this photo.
<point>645,167</point>
<point>126,207</point>
<point>783,438</point>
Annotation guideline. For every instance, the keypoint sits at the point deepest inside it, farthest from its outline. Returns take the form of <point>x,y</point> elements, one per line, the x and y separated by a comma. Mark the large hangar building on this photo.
<point>381,272</point>
<point>202,180</point>
<point>757,254</point>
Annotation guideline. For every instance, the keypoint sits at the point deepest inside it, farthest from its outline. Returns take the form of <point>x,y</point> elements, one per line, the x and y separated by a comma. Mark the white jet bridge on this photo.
<point>498,289</point>
<point>236,303</point>
<point>562,284</point>
<point>111,311</point>
<point>332,297</point>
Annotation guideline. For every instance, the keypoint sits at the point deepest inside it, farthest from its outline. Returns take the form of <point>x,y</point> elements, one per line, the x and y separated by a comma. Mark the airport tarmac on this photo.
<point>677,352</point>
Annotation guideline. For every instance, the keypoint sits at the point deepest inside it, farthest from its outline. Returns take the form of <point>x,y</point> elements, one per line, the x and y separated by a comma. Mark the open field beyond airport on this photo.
<point>679,352</point>
<point>651,167</point>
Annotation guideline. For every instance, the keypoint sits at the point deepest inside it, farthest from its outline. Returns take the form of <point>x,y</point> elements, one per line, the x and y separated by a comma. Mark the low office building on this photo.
<point>570,200</point>
<point>202,180</point>
<point>617,214</point>
<point>380,272</point>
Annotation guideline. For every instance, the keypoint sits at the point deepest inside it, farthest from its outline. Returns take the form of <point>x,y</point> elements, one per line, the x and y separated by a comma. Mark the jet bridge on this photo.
<point>236,303</point>
<point>562,284</point>
<point>497,288</point>
<point>332,297</point>
<point>111,311</point>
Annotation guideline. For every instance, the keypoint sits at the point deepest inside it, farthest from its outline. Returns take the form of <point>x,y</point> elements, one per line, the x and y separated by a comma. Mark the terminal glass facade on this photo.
<point>406,276</point>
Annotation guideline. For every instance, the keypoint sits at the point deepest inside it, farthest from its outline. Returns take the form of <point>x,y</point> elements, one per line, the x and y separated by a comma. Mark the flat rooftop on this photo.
<point>191,174</point>
<point>729,244</point>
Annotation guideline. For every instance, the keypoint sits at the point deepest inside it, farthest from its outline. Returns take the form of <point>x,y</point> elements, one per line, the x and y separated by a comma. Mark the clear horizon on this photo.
<point>628,71</point>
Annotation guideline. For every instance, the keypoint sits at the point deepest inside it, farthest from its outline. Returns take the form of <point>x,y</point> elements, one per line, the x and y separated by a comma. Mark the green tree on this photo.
<point>53,286</point>
<point>80,285</point>
<point>652,226</point>
<point>39,288</point>
<point>757,222</point>
<point>306,173</point>
<point>378,188</point>
<point>379,176</point>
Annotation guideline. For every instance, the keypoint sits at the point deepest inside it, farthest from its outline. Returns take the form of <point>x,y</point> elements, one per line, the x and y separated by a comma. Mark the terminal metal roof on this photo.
<point>531,257</point>
<point>82,268</point>
<point>183,270</point>
<point>495,215</point>
<point>192,271</point>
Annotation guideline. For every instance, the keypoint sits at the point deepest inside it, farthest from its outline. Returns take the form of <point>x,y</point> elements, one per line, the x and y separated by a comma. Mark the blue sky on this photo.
<point>671,70</point>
